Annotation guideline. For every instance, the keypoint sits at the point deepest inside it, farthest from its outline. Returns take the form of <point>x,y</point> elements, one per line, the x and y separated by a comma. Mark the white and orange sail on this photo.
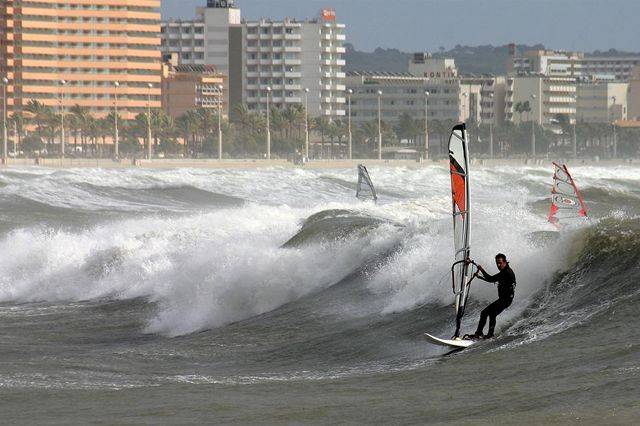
<point>459,169</point>
<point>567,204</point>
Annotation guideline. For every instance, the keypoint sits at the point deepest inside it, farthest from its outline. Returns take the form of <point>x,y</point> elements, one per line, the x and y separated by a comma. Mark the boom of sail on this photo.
<point>567,204</point>
<point>365,190</point>
<point>459,169</point>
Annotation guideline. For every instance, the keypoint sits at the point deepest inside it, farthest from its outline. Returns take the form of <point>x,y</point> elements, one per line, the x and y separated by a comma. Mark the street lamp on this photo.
<point>268,125</point>
<point>306,123</point>
<point>116,139</point>
<point>62,136</point>
<point>613,124</point>
<point>350,134</point>
<point>426,124</point>
<point>5,153</point>
<point>575,136</point>
<point>464,107</point>
<point>220,100</point>
<point>491,127</point>
<point>379,124</point>
<point>533,132</point>
<point>150,86</point>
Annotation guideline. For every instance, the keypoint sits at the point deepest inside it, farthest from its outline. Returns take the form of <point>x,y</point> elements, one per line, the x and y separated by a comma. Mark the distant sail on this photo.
<point>365,190</point>
<point>459,169</point>
<point>567,204</point>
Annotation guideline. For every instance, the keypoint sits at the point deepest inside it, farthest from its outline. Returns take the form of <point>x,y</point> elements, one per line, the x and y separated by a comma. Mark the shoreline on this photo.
<point>208,163</point>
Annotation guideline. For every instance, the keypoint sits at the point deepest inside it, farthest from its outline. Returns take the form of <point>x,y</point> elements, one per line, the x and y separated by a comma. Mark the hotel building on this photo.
<point>73,52</point>
<point>403,93</point>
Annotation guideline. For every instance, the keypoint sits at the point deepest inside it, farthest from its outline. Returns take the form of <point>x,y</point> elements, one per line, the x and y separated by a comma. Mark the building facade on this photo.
<point>601,102</point>
<point>80,52</point>
<point>546,96</point>
<point>633,97</point>
<point>403,93</point>
<point>572,64</point>
<point>189,87</point>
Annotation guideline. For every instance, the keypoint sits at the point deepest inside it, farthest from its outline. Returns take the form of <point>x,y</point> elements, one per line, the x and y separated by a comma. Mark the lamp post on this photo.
<point>5,153</point>
<point>149,152</point>
<point>268,125</point>
<point>426,124</point>
<point>379,124</point>
<point>533,133</point>
<point>613,124</point>
<point>491,127</point>
<point>62,135</point>
<point>350,134</point>
<point>574,142</point>
<point>306,123</point>
<point>116,139</point>
<point>220,100</point>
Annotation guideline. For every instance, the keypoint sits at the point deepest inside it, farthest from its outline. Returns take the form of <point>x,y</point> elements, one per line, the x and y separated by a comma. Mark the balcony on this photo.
<point>293,37</point>
<point>288,74</point>
<point>293,49</point>
<point>292,62</point>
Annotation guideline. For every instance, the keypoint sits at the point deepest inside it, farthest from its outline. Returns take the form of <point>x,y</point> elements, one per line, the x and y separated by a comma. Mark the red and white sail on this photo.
<point>567,204</point>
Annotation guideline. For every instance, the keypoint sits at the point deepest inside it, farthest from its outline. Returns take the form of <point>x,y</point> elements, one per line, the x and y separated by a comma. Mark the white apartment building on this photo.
<point>286,56</point>
<point>547,97</point>
<point>601,102</point>
<point>403,93</point>
<point>290,56</point>
<point>572,64</point>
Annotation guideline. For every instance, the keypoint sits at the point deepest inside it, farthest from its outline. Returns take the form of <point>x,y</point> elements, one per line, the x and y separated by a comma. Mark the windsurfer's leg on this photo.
<point>498,306</point>
<point>483,319</point>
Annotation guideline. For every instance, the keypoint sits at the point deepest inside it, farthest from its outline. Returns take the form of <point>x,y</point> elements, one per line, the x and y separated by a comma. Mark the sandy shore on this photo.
<point>255,164</point>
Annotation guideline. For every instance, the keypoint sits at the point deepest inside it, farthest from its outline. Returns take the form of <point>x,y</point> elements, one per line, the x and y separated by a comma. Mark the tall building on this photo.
<point>572,64</point>
<point>73,52</point>
<point>493,93</point>
<point>288,56</point>
<point>403,93</point>
<point>601,102</point>
<point>546,96</point>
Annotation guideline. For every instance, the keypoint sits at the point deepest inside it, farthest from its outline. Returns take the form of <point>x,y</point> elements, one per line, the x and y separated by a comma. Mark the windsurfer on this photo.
<point>506,280</point>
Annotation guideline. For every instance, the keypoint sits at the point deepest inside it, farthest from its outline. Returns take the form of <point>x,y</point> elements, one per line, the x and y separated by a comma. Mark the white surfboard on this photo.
<point>453,343</point>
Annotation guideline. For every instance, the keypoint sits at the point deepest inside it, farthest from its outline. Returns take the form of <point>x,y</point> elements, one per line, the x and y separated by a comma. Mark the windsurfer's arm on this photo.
<point>484,276</point>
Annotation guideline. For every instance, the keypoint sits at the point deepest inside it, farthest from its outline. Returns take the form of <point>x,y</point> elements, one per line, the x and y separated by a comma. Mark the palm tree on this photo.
<point>82,118</point>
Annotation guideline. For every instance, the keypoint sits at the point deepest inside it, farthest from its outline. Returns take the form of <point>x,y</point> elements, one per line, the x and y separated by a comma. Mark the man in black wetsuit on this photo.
<point>506,280</point>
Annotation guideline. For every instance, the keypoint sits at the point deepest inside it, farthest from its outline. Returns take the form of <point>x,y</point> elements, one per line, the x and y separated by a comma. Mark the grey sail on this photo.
<point>365,190</point>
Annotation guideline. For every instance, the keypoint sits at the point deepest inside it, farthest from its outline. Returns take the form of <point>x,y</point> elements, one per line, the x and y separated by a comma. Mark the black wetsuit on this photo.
<point>506,280</point>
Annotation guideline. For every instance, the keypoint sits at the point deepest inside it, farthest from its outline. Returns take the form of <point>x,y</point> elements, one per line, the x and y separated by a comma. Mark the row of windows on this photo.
<point>273,43</point>
<point>273,30</point>
<point>72,6</point>
<point>276,56</point>
<point>86,20</point>
<point>88,71</point>
<point>273,68</point>
<point>271,81</point>
<point>80,84</point>
<point>183,30</point>
<point>176,43</point>
<point>65,45</point>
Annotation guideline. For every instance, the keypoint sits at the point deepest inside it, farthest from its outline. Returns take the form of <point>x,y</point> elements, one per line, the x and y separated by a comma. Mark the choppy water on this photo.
<point>137,296</point>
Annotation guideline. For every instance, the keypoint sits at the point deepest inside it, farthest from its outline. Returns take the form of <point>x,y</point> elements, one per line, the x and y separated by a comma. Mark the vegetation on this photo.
<point>195,135</point>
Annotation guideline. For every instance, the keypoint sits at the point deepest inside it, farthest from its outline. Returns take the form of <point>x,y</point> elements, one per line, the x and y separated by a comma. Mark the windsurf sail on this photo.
<point>365,189</point>
<point>459,169</point>
<point>567,203</point>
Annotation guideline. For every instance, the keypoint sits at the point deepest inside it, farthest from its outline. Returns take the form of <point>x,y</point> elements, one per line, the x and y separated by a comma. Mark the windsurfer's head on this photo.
<point>501,261</point>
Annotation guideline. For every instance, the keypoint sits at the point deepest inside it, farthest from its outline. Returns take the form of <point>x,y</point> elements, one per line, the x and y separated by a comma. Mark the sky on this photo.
<point>425,25</point>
